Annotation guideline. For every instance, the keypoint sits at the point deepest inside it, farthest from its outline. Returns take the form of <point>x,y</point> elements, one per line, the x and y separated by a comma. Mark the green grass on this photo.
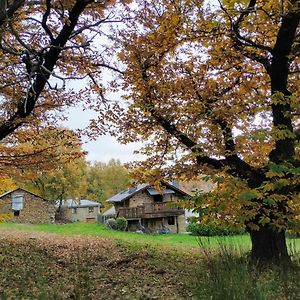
<point>178,241</point>
<point>171,240</point>
<point>229,276</point>
<point>133,266</point>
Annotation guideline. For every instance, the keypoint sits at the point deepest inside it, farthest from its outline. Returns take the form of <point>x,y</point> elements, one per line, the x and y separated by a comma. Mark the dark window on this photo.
<point>158,198</point>
<point>171,220</point>
<point>91,209</point>
<point>74,210</point>
<point>16,213</point>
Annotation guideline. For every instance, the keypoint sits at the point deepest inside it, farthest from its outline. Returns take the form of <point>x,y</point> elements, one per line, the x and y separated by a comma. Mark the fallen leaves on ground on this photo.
<point>47,266</point>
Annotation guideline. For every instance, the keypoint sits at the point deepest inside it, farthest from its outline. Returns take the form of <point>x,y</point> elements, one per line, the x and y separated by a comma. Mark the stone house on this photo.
<point>145,207</point>
<point>81,210</point>
<point>26,207</point>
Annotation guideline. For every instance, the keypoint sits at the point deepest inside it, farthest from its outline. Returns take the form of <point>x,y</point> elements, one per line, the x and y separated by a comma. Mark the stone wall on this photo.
<point>140,199</point>
<point>35,209</point>
<point>181,223</point>
<point>83,214</point>
<point>155,224</point>
<point>144,197</point>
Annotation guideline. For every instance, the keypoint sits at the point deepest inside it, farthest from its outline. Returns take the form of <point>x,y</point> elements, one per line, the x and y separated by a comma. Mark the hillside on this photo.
<point>48,266</point>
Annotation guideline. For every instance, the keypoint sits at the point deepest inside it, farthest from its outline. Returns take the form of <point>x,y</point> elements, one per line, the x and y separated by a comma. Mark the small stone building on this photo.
<point>26,207</point>
<point>81,210</point>
<point>146,207</point>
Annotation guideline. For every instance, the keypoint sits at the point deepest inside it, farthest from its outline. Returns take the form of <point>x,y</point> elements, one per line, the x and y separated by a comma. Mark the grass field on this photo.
<point>169,240</point>
<point>177,241</point>
<point>88,261</point>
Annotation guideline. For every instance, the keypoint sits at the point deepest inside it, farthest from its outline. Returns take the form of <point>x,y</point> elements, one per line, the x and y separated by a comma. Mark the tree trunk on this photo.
<point>269,245</point>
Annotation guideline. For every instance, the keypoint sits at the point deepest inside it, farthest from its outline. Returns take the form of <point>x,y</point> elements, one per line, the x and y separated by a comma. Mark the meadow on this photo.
<point>89,261</point>
<point>176,241</point>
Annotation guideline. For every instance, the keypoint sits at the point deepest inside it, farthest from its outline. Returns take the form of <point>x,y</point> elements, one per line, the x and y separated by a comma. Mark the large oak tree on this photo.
<point>216,89</point>
<point>46,48</point>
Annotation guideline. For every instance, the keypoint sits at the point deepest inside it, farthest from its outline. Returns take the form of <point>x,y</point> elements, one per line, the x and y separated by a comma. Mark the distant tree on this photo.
<point>65,182</point>
<point>30,152</point>
<point>79,179</point>
<point>106,179</point>
<point>7,184</point>
<point>216,90</point>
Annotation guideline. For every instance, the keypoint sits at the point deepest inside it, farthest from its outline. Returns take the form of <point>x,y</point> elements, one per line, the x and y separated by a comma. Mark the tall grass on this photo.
<point>228,274</point>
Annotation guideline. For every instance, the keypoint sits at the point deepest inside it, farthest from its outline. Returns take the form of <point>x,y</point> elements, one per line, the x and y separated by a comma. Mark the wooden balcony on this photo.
<point>150,210</point>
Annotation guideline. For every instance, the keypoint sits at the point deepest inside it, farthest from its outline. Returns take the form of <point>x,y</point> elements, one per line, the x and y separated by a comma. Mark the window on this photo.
<point>74,210</point>
<point>171,220</point>
<point>17,202</point>
<point>158,198</point>
<point>91,209</point>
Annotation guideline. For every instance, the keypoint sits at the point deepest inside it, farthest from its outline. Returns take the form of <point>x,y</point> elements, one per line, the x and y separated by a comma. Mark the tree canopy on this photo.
<point>52,55</point>
<point>215,89</point>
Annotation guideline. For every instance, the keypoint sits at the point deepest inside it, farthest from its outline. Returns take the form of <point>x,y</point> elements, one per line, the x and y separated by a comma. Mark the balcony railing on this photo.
<point>150,210</point>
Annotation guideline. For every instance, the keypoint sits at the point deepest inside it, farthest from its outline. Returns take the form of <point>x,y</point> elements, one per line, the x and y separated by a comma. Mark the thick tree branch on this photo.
<point>238,167</point>
<point>284,148</point>
<point>45,18</point>
<point>241,43</point>
<point>7,12</point>
<point>50,58</point>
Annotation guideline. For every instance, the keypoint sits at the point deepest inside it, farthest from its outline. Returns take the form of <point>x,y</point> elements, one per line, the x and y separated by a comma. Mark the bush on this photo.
<point>111,223</point>
<point>121,223</point>
<point>5,217</point>
<point>117,224</point>
<point>212,229</point>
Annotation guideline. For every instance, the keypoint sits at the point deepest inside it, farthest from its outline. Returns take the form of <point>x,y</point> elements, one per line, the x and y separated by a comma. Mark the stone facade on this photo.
<point>140,199</point>
<point>83,214</point>
<point>78,210</point>
<point>34,209</point>
<point>176,224</point>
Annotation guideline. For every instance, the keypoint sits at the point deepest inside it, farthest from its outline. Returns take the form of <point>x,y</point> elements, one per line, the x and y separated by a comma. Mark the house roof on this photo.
<point>9,192</point>
<point>126,194</point>
<point>78,203</point>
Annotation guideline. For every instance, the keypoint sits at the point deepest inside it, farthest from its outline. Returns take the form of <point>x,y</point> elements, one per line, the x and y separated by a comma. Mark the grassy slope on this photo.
<point>171,240</point>
<point>177,241</point>
<point>88,261</point>
<point>46,266</point>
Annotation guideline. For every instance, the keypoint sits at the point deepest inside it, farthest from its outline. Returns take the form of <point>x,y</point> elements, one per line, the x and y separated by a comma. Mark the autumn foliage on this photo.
<point>214,88</point>
<point>51,59</point>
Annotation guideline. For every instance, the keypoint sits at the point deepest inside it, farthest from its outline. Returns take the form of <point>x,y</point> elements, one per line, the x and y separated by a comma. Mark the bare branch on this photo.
<point>109,67</point>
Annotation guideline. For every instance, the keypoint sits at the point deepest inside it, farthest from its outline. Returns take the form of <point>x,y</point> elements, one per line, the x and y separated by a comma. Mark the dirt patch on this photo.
<point>48,266</point>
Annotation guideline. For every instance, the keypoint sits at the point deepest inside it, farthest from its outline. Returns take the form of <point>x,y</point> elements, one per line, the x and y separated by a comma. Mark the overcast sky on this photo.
<point>103,148</point>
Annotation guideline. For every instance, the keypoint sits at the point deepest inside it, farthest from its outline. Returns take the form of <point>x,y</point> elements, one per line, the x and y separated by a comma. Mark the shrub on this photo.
<point>121,223</point>
<point>211,229</point>
<point>117,224</point>
<point>5,217</point>
<point>111,223</point>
